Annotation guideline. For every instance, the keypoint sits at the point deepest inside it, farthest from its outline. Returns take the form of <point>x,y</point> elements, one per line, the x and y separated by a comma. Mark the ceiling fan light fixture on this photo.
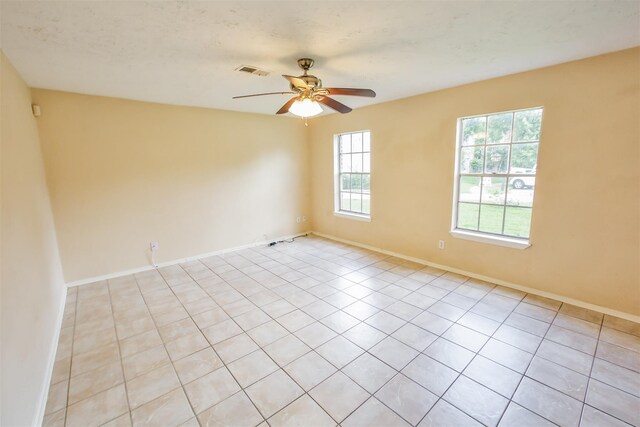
<point>305,108</point>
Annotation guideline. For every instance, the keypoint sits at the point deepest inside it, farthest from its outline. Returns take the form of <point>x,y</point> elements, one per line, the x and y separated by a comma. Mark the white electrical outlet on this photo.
<point>304,218</point>
<point>440,244</point>
<point>154,246</point>
<point>298,220</point>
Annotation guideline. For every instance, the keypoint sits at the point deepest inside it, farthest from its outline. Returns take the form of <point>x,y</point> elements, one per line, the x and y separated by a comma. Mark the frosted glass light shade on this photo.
<point>305,108</point>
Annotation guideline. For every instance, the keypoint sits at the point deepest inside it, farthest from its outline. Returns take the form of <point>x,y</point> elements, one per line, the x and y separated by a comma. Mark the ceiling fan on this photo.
<point>309,94</point>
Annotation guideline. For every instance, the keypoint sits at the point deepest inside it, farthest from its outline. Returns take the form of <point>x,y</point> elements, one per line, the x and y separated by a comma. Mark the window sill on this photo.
<point>357,217</point>
<point>492,240</point>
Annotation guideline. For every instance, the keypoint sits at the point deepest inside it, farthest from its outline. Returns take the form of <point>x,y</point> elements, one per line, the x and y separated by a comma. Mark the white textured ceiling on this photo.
<point>185,52</point>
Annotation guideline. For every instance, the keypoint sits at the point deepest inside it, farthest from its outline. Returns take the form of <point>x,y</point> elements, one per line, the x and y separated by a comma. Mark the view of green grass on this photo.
<point>517,220</point>
<point>491,218</point>
<point>471,216</point>
<point>467,182</point>
<point>355,204</point>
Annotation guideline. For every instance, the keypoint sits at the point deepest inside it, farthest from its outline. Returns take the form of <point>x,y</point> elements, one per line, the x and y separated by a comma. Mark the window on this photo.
<point>497,156</point>
<point>353,173</point>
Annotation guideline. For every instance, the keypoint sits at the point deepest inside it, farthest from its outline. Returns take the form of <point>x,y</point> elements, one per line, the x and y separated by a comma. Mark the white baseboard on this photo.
<point>39,417</point>
<point>579,303</point>
<point>180,260</point>
<point>493,280</point>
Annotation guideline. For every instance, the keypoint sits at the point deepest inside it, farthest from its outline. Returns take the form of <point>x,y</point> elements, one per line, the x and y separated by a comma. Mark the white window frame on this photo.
<point>480,236</point>
<point>336,179</point>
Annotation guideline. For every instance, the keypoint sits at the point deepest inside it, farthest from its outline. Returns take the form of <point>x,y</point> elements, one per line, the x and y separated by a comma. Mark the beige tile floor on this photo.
<point>316,333</point>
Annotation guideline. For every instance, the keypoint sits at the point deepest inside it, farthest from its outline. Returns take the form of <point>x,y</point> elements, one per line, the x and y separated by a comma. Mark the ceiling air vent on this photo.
<point>252,70</point>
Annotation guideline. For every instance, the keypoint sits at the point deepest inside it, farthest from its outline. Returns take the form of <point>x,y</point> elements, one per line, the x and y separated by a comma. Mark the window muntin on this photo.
<point>353,165</point>
<point>496,172</point>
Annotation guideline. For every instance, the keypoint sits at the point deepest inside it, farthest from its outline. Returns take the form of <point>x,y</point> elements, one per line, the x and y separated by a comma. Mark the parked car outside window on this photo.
<point>521,182</point>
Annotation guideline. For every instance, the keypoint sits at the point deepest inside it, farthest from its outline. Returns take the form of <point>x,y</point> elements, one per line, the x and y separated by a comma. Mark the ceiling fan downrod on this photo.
<point>305,64</point>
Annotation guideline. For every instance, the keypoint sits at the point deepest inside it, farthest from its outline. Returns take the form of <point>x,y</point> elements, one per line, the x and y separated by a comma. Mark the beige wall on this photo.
<point>585,227</point>
<point>32,283</point>
<point>123,173</point>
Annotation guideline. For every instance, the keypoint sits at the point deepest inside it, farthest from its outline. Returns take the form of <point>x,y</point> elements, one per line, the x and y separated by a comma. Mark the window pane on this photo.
<point>366,183</point>
<point>527,125</point>
<point>345,162</point>
<point>354,168</point>
<point>520,191</point>
<point>356,183</point>
<point>356,202</point>
<point>471,160</point>
<point>345,143</point>
<point>524,158</point>
<point>473,130</point>
<point>517,222</point>
<point>356,162</point>
<point>468,216</point>
<point>345,201</point>
<point>491,218</point>
<point>356,142</point>
<point>499,128</point>
<point>470,189</point>
<point>493,190</point>
<point>345,182</point>
<point>497,159</point>
<point>366,204</point>
<point>366,162</point>
<point>497,166</point>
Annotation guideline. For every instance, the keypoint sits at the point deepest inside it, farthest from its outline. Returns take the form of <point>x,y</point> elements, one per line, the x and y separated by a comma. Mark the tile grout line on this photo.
<point>305,392</point>
<point>293,333</point>
<point>367,351</point>
<point>313,261</point>
<point>419,352</point>
<point>503,322</point>
<point>260,348</point>
<point>171,362</point>
<point>590,378</point>
<point>407,321</point>
<point>314,350</point>
<point>124,380</point>
<point>521,300</point>
<point>475,355</point>
<point>164,345</point>
<point>311,350</point>
<point>593,362</point>
<point>73,341</point>
<point>524,374</point>
<point>399,372</point>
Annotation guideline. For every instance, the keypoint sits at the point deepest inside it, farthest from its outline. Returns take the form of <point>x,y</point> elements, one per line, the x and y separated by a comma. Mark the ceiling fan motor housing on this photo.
<point>311,81</point>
